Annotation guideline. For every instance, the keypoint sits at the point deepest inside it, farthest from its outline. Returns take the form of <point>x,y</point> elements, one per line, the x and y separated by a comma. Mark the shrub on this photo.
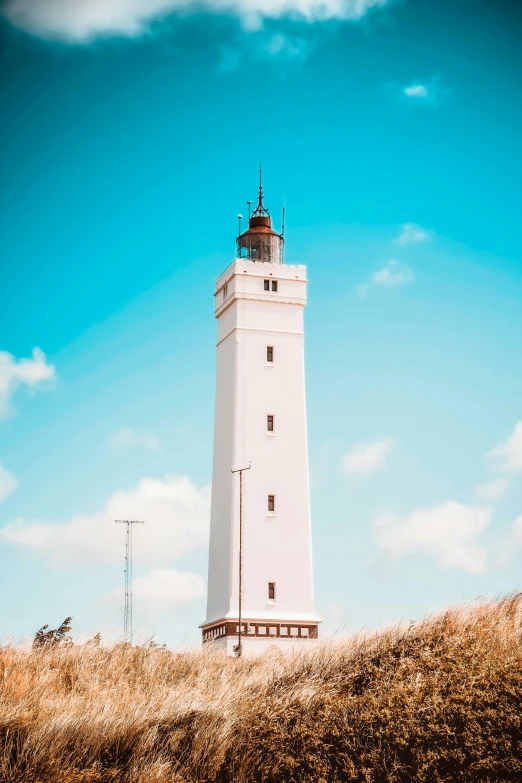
<point>438,701</point>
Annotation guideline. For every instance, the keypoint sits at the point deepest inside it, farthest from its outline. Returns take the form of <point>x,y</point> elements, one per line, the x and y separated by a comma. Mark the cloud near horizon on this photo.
<point>509,452</point>
<point>159,590</point>
<point>494,490</point>
<point>448,533</point>
<point>127,438</point>
<point>82,21</point>
<point>365,457</point>
<point>176,513</point>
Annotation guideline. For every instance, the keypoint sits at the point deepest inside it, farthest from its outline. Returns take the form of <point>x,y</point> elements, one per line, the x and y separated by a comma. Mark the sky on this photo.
<point>131,135</point>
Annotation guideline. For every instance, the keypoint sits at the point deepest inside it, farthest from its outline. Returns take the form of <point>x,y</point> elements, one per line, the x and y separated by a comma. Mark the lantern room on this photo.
<point>260,242</point>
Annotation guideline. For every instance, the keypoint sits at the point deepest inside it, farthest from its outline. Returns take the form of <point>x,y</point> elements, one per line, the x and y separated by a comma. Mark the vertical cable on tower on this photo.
<point>238,648</point>
<point>127,616</point>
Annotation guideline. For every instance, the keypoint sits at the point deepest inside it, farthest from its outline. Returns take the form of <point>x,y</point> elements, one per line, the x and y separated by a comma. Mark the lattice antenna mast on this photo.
<point>127,616</point>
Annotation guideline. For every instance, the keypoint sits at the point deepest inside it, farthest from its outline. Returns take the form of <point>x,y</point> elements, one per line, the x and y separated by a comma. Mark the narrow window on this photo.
<point>271,591</point>
<point>270,423</point>
<point>267,285</point>
<point>274,285</point>
<point>271,502</point>
<point>269,353</point>
<point>225,292</point>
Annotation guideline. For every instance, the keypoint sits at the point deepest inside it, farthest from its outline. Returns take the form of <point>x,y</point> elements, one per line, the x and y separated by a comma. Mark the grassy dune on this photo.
<point>437,701</point>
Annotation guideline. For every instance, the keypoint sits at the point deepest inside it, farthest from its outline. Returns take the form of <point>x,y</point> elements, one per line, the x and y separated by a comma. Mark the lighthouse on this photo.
<point>260,585</point>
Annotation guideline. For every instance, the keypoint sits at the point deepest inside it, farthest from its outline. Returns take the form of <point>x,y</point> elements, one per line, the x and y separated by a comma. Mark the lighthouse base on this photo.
<point>258,636</point>
<point>250,648</point>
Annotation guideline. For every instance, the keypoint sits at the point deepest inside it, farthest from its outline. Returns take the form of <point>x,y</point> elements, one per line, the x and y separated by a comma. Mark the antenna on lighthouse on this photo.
<point>240,249</point>
<point>249,250</point>
<point>127,617</point>
<point>283,235</point>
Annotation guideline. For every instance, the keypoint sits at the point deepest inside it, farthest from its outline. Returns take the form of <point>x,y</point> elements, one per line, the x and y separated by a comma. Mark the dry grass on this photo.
<point>438,701</point>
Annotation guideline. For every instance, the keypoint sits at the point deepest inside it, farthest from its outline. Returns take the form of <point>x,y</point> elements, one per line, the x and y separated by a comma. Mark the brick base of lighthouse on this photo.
<point>258,635</point>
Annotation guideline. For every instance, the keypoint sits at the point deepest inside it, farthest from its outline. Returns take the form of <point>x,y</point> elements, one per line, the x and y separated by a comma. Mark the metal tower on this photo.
<point>127,618</point>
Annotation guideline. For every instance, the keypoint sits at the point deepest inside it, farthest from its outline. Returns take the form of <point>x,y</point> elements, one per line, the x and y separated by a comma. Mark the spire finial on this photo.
<point>260,209</point>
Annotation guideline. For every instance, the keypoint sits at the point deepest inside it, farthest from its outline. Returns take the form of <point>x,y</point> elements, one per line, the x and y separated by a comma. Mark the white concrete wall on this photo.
<point>221,529</point>
<point>256,646</point>
<point>276,548</point>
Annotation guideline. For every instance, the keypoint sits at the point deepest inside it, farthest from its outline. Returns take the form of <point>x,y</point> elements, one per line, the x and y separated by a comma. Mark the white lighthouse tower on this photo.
<point>260,418</point>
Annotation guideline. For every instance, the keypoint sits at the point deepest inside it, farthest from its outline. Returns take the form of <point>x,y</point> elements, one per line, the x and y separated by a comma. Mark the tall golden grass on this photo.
<point>437,701</point>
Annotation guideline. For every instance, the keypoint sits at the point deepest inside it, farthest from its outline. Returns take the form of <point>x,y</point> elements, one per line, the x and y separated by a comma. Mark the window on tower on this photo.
<point>274,285</point>
<point>267,285</point>
<point>270,423</point>
<point>271,502</point>
<point>269,353</point>
<point>271,591</point>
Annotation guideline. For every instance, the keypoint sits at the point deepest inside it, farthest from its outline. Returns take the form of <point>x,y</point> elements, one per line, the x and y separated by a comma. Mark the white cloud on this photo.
<point>429,92</point>
<point>494,490</point>
<point>416,91</point>
<point>447,532</point>
<point>267,43</point>
<point>8,482</point>
<point>176,514</point>
<point>83,20</point>
<point>366,457</point>
<point>284,46</point>
<point>510,544</point>
<point>517,532</point>
<point>392,275</point>
<point>16,372</point>
<point>412,234</point>
<point>160,590</point>
<point>509,452</point>
<point>126,438</point>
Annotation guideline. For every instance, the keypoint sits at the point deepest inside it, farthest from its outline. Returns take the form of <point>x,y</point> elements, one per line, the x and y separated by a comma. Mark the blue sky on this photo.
<point>131,136</point>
